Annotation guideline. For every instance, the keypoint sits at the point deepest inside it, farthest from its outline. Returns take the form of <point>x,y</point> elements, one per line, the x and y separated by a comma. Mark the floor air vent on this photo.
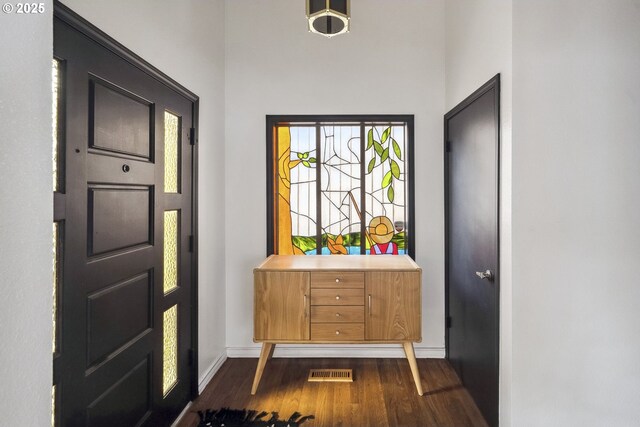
<point>332,375</point>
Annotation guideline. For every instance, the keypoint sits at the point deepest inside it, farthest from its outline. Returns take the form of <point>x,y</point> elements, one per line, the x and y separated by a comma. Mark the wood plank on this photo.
<point>382,394</point>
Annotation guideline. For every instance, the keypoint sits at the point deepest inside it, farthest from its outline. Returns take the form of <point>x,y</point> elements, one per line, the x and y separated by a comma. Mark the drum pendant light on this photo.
<point>328,17</point>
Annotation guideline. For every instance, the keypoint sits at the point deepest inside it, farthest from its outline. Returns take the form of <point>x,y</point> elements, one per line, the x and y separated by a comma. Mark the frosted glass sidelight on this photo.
<point>170,350</point>
<point>170,251</point>
<point>171,152</point>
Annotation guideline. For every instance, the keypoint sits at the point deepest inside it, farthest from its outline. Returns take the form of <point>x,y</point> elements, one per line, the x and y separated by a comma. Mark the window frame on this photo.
<point>273,120</point>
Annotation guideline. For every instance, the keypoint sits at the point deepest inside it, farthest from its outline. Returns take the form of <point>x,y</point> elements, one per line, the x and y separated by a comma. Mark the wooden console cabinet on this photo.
<point>337,299</point>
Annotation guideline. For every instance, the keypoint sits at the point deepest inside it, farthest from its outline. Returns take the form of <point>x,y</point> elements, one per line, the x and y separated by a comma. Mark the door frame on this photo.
<point>80,24</point>
<point>492,84</point>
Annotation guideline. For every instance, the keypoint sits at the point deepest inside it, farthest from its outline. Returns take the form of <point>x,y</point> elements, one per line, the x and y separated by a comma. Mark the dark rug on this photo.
<point>226,417</point>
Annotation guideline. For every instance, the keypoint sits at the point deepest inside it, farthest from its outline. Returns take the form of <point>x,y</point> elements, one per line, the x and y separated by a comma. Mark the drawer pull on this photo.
<point>337,314</point>
<point>337,296</point>
<point>305,305</point>
<point>337,332</point>
<point>369,304</point>
<point>337,280</point>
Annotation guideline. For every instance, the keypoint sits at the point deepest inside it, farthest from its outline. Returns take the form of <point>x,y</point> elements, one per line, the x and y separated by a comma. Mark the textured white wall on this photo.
<point>186,41</point>
<point>26,215</point>
<point>576,227</point>
<point>391,62</point>
<point>478,46</point>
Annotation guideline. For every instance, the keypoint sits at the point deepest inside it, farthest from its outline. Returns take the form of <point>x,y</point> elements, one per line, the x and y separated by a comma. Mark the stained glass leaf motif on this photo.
<point>396,148</point>
<point>370,138</point>
<point>372,164</point>
<point>385,134</point>
<point>387,179</point>
<point>312,160</point>
<point>390,194</point>
<point>300,156</point>
<point>385,155</point>
<point>306,163</point>
<point>395,169</point>
<point>378,148</point>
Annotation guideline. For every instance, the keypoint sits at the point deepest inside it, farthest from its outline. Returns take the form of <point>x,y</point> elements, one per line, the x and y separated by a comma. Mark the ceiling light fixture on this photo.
<point>328,17</point>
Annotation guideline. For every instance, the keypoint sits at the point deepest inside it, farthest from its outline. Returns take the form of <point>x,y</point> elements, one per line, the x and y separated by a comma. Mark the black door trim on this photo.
<point>492,84</point>
<point>77,22</point>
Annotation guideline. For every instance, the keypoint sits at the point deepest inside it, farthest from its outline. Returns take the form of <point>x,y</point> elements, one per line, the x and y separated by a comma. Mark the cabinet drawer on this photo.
<point>340,314</point>
<point>337,331</point>
<point>337,296</point>
<point>337,279</point>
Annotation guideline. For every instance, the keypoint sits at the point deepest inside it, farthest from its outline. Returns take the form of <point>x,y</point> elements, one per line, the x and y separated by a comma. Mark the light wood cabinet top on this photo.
<point>338,263</point>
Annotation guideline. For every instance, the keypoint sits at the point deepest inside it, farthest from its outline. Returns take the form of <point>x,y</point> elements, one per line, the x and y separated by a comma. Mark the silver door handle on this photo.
<point>485,274</point>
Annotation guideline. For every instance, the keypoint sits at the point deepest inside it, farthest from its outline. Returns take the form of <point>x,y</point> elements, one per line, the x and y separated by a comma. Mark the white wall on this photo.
<point>186,41</point>
<point>26,215</point>
<point>478,46</point>
<point>391,62</point>
<point>576,227</point>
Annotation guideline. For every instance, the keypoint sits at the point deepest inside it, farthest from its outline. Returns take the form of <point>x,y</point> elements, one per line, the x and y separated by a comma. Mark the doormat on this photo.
<point>226,417</point>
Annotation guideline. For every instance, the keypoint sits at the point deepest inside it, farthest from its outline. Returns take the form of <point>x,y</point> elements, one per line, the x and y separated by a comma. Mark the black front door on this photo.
<point>125,219</point>
<point>472,177</point>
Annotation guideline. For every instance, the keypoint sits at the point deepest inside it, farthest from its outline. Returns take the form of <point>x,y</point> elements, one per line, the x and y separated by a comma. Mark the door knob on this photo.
<point>485,274</point>
<point>337,296</point>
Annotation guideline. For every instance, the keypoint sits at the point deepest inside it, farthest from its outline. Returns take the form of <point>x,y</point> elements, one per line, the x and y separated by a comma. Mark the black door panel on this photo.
<point>472,177</point>
<point>111,369</point>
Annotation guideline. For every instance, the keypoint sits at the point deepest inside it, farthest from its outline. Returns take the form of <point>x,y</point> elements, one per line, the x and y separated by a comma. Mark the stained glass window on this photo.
<point>340,187</point>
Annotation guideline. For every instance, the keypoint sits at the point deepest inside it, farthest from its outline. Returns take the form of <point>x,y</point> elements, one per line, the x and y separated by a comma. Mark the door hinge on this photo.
<point>448,322</point>
<point>192,136</point>
<point>448,146</point>
<point>191,357</point>
<point>191,243</point>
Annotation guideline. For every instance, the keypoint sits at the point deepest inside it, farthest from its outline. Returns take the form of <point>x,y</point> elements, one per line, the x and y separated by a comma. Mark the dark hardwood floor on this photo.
<point>382,394</point>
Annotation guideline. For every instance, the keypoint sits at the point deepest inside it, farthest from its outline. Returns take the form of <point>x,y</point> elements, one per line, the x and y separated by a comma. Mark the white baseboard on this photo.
<point>211,371</point>
<point>309,350</point>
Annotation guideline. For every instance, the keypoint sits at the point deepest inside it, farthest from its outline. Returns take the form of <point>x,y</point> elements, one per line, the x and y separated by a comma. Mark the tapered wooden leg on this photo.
<point>411,357</point>
<point>265,354</point>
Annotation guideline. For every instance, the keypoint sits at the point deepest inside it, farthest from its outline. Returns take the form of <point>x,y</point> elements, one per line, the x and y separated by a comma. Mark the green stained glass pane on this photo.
<point>170,349</point>
<point>170,251</point>
<point>385,186</point>
<point>171,152</point>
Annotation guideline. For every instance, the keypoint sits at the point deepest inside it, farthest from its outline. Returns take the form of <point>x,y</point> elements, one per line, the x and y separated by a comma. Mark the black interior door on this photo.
<point>472,176</point>
<point>126,294</point>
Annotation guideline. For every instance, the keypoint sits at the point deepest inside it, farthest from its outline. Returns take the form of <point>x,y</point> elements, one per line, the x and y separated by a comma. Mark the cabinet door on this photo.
<point>393,306</point>
<point>281,306</point>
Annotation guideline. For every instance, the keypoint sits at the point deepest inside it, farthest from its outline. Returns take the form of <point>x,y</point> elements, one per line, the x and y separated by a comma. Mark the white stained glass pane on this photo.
<point>340,193</point>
